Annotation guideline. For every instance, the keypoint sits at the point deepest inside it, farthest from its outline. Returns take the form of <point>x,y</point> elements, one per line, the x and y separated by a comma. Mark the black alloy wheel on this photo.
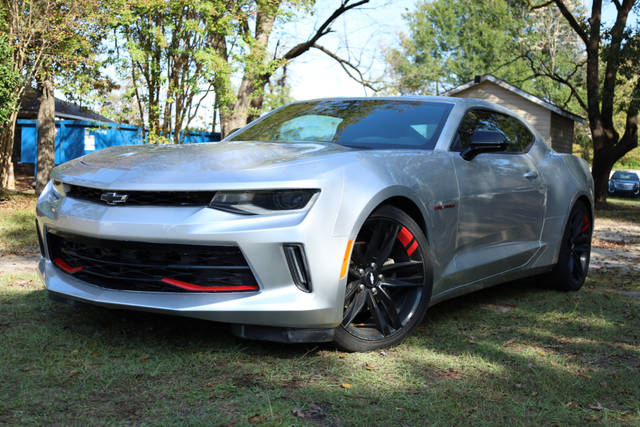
<point>571,270</point>
<point>389,282</point>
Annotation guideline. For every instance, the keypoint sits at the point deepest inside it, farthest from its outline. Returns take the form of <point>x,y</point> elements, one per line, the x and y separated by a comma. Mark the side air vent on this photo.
<point>294,252</point>
<point>40,243</point>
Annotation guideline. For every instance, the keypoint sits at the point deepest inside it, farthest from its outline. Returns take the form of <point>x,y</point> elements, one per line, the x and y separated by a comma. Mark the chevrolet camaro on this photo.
<point>337,219</point>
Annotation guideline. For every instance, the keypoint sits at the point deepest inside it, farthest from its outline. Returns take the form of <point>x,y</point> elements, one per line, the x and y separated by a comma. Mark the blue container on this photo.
<point>77,138</point>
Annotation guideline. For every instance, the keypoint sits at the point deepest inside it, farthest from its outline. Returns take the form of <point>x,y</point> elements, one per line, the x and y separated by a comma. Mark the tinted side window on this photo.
<point>518,136</point>
<point>472,121</point>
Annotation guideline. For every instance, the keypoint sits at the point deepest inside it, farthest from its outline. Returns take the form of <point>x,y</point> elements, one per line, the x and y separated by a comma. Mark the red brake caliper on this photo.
<point>406,238</point>
<point>585,223</point>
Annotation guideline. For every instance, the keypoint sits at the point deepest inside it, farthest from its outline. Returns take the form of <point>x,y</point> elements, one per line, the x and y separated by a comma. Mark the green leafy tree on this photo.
<point>9,78</point>
<point>450,42</point>
<point>179,51</point>
<point>45,36</point>
<point>278,91</point>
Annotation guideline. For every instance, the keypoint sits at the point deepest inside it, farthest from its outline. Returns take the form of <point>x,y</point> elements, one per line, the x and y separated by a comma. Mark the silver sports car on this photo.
<point>328,220</point>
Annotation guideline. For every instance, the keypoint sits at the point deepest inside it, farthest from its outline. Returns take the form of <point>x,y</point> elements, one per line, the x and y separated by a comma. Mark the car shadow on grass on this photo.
<point>512,352</point>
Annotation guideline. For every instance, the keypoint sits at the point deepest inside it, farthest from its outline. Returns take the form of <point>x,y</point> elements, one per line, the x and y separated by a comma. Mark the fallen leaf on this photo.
<point>554,363</point>
<point>342,355</point>
<point>597,407</point>
<point>369,367</point>
<point>500,309</point>
<point>346,385</point>
<point>94,354</point>
<point>145,358</point>
<point>572,405</point>
<point>257,418</point>
<point>314,412</point>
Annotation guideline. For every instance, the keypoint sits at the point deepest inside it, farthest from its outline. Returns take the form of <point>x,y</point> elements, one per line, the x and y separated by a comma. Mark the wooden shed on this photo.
<point>555,124</point>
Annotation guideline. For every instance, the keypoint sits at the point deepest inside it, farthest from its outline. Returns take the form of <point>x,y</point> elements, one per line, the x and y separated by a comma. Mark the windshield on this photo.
<point>627,176</point>
<point>371,123</point>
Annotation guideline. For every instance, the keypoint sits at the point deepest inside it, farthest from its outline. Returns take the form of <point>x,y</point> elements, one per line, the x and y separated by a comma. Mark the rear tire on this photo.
<point>389,282</point>
<point>571,270</point>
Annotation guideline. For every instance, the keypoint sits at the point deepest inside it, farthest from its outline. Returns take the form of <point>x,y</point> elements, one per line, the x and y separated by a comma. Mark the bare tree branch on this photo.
<point>546,72</point>
<point>617,3</point>
<point>324,29</point>
<point>348,67</point>
<point>629,140</point>
<point>572,21</point>
<point>540,6</point>
<point>613,60</point>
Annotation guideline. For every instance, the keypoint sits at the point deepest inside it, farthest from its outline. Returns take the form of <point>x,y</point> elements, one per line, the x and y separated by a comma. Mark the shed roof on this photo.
<point>30,103</point>
<point>528,96</point>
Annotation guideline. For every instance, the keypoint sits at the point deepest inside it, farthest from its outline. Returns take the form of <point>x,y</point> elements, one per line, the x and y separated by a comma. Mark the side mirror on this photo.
<point>484,141</point>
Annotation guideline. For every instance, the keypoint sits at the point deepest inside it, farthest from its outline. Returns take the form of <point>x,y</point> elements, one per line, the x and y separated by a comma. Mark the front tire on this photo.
<point>389,282</point>
<point>571,270</point>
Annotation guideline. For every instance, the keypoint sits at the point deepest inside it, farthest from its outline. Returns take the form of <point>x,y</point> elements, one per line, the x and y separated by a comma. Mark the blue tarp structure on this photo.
<point>77,138</point>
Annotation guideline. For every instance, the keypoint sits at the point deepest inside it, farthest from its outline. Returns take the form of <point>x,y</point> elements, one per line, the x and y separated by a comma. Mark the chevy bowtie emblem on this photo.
<point>113,198</point>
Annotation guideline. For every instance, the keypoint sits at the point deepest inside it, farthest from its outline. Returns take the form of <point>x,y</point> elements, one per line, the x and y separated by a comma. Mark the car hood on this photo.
<point>202,166</point>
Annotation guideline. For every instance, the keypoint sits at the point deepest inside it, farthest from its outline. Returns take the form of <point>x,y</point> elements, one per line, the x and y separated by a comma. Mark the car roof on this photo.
<point>465,102</point>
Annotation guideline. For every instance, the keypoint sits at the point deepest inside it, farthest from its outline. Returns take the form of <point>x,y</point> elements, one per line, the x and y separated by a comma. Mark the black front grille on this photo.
<point>142,266</point>
<point>143,198</point>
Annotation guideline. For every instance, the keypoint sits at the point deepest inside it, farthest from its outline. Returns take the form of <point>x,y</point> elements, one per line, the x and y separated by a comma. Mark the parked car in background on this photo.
<point>329,220</point>
<point>624,183</point>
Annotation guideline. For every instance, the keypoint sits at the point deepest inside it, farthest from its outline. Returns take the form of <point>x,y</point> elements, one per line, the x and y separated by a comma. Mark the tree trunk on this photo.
<point>600,172</point>
<point>6,150</point>
<point>46,134</point>
<point>229,122</point>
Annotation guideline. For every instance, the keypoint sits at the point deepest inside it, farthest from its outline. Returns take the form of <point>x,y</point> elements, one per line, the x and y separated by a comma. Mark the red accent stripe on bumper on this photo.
<point>192,287</point>
<point>66,267</point>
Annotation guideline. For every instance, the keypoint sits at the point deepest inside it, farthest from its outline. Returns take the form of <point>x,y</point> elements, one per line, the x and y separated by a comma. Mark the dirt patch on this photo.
<point>616,244</point>
<point>18,264</point>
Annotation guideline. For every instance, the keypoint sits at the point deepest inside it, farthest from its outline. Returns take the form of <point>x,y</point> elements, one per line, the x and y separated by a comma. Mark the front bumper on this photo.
<point>624,190</point>
<point>277,303</point>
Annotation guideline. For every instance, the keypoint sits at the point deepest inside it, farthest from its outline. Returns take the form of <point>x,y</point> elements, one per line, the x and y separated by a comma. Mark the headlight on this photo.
<point>60,188</point>
<point>262,202</point>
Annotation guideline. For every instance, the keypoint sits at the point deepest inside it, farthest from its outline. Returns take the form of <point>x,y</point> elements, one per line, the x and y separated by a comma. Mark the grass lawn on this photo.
<point>17,224</point>
<point>515,354</point>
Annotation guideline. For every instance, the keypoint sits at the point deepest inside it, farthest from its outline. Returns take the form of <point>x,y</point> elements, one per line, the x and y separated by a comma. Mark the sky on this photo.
<point>360,34</point>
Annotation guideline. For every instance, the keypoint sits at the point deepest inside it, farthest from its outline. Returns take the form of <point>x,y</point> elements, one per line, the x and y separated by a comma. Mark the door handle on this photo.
<point>531,175</point>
